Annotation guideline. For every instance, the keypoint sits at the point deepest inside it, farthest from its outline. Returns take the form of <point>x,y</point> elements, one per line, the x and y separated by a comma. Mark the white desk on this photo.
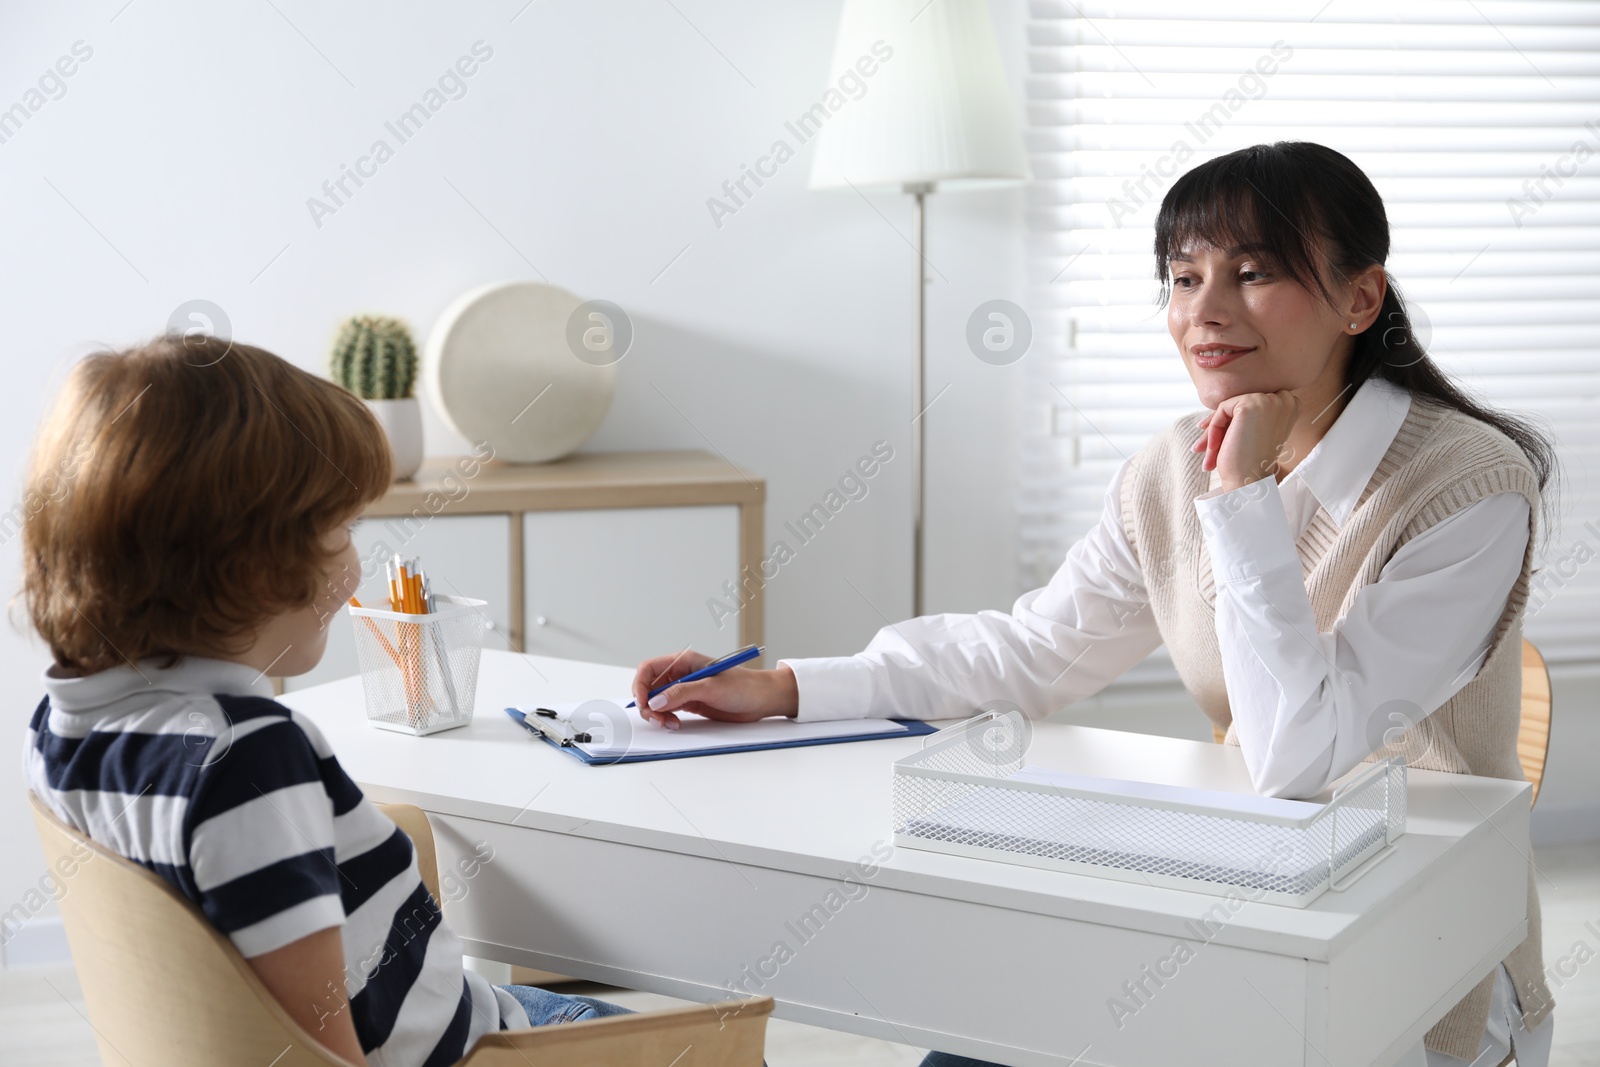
<point>685,877</point>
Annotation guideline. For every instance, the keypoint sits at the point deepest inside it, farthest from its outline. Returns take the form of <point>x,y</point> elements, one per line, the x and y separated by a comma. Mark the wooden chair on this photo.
<point>164,987</point>
<point>1533,735</point>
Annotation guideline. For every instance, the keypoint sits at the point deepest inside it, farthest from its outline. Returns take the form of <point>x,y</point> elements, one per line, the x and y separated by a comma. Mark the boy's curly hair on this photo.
<point>178,496</point>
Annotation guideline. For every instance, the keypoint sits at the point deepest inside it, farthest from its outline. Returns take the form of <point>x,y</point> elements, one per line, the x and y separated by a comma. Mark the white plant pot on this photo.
<point>402,425</point>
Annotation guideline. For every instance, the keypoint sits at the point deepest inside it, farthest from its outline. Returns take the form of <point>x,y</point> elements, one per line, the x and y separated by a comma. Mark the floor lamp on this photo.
<point>925,106</point>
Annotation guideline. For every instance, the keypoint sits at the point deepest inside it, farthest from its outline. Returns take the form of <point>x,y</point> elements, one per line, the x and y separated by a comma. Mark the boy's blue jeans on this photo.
<point>544,1007</point>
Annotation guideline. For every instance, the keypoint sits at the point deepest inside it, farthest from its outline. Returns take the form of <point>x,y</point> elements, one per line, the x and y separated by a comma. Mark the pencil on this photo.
<point>416,668</point>
<point>384,641</point>
<point>392,567</point>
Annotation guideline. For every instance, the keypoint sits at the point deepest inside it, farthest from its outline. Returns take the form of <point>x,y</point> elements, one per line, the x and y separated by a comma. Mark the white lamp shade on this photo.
<point>937,110</point>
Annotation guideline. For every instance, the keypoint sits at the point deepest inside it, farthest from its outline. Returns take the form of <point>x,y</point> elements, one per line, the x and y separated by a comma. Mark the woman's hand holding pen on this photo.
<point>740,694</point>
<point>1244,438</point>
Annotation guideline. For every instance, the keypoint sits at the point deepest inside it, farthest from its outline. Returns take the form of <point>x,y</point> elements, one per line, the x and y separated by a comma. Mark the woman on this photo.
<point>1336,553</point>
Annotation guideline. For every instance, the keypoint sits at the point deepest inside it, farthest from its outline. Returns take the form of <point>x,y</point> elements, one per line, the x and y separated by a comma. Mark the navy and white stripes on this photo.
<point>240,804</point>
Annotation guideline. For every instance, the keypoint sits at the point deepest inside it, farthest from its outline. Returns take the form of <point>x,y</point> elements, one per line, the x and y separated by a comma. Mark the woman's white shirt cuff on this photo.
<point>1246,531</point>
<point>832,687</point>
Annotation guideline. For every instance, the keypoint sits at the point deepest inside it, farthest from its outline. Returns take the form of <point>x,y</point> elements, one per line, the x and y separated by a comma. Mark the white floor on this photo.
<point>43,1023</point>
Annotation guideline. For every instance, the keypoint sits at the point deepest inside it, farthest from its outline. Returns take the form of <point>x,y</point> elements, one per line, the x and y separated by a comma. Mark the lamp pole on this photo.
<point>918,191</point>
<point>943,120</point>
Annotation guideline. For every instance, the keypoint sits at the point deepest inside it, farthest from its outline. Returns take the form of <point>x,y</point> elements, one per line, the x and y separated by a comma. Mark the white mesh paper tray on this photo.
<point>956,795</point>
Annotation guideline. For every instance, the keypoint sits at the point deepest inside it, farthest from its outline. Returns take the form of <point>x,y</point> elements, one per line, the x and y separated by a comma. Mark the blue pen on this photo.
<point>716,666</point>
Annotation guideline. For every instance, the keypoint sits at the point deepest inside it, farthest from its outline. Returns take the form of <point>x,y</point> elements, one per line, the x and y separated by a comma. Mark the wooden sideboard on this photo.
<point>608,556</point>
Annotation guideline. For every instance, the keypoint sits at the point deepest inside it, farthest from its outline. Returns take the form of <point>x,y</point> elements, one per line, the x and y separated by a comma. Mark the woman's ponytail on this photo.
<point>1391,349</point>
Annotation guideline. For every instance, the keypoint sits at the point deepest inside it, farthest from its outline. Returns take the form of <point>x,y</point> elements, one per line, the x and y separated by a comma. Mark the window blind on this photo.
<point>1477,120</point>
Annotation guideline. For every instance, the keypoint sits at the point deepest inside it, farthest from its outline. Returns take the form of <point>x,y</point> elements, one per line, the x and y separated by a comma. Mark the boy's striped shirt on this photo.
<point>196,773</point>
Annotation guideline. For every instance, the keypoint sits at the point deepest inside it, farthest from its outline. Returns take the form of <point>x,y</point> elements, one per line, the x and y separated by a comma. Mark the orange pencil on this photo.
<point>405,591</point>
<point>413,599</point>
<point>392,572</point>
<point>384,641</point>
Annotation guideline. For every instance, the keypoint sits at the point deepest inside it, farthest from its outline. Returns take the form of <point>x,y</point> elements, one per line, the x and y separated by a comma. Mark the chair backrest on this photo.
<point>163,987</point>
<point>1533,734</point>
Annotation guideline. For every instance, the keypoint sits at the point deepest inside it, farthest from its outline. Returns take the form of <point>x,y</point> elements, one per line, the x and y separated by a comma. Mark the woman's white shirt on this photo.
<point>1307,706</point>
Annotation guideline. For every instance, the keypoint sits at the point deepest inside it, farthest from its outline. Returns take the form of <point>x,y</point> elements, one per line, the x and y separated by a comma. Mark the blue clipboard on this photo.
<point>912,728</point>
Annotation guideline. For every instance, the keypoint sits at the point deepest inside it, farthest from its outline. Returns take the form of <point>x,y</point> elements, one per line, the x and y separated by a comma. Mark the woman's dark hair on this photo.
<point>1280,198</point>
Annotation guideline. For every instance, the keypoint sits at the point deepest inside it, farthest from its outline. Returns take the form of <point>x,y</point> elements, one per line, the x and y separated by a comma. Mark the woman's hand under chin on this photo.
<point>1245,437</point>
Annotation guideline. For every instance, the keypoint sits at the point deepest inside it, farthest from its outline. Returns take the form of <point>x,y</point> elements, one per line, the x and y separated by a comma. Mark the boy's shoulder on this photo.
<point>245,715</point>
<point>258,746</point>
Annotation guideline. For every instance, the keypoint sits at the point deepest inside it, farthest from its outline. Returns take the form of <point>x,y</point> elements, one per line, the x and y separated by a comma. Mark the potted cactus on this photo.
<point>374,357</point>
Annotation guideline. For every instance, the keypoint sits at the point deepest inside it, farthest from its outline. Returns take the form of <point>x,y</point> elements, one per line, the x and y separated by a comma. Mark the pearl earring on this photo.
<point>1352,325</point>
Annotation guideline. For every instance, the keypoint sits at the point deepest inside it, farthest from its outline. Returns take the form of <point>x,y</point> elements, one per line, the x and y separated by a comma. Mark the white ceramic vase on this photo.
<point>402,425</point>
<point>503,366</point>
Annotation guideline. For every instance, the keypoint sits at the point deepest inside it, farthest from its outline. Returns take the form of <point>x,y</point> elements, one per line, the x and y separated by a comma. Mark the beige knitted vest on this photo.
<point>1440,462</point>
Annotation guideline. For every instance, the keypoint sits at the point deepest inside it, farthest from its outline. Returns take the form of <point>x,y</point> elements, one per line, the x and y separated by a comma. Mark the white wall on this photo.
<point>178,164</point>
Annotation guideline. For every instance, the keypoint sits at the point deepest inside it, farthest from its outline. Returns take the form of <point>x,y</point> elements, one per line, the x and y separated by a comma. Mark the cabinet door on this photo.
<point>463,555</point>
<point>619,585</point>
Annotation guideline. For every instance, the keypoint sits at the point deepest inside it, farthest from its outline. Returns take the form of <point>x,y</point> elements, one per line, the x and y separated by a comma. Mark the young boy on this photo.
<point>190,534</point>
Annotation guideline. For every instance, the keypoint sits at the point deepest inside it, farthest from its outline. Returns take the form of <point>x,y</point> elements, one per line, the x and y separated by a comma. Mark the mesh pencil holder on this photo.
<point>420,672</point>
